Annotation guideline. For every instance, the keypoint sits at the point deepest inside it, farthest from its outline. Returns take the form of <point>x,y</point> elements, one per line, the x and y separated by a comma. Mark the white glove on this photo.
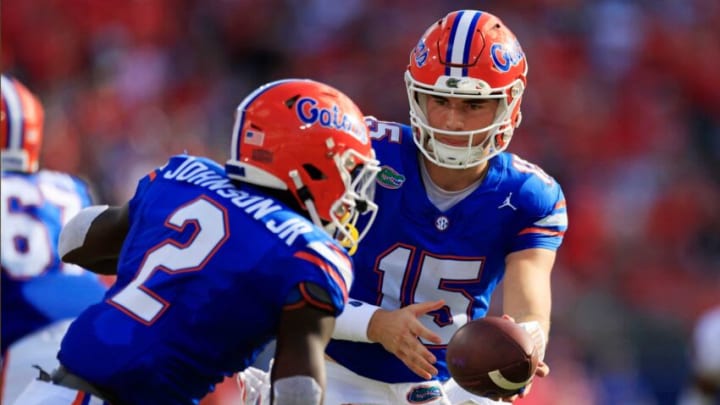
<point>254,386</point>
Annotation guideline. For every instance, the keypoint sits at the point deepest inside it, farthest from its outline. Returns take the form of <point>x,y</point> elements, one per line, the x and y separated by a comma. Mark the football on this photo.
<point>492,357</point>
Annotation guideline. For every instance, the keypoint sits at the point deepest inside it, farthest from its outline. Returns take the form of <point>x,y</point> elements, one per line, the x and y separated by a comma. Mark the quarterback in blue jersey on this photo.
<point>40,293</point>
<point>460,216</point>
<point>214,262</point>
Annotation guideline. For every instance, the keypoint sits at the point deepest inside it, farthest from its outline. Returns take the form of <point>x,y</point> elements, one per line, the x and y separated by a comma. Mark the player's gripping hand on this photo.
<point>399,332</point>
<point>254,385</point>
<point>538,336</point>
<point>541,371</point>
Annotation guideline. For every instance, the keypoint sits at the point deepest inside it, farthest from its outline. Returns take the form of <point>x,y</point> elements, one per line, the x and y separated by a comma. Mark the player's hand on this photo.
<point>254,385</point>
<point>399,331</point>
<point>542,370</point>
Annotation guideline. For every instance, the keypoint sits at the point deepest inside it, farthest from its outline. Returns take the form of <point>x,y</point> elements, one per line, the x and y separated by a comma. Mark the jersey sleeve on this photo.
<point>320,275</point>
<point>544,220</point>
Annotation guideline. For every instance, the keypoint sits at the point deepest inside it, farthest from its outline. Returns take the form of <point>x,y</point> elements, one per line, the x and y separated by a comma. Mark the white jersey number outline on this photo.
<point>212,230</point>
<point>436,277</point>
<point>381,129</point>
<point>27,248</point>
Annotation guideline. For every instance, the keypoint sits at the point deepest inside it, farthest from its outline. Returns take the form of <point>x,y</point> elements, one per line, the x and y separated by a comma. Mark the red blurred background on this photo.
<point>622,107</point>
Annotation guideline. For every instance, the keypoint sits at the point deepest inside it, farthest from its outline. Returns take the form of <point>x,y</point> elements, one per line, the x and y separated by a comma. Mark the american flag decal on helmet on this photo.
<point>254,137</point>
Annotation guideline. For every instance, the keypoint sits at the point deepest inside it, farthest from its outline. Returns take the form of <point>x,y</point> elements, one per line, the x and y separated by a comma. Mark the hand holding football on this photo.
<point>492,357</point>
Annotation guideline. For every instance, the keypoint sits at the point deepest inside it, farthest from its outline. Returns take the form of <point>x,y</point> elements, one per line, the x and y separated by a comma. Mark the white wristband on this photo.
<point>352,324</point>
<point>297,390</point>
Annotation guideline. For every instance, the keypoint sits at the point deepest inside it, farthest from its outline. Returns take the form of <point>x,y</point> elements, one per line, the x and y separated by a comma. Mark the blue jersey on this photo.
<point>416,253</point>
<point>203,275</point>
<point>37,288</point>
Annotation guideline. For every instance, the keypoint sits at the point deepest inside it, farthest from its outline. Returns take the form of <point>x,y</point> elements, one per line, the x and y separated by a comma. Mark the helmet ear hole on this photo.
<point>313,172</point>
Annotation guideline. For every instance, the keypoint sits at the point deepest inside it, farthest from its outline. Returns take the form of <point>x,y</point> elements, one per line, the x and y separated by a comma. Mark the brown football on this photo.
<point>492,357</point>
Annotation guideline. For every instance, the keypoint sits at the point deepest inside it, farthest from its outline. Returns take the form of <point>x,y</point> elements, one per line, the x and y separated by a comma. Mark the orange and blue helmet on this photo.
<point>310,139</point>
<point>468,54</point>
<point>21,124</point>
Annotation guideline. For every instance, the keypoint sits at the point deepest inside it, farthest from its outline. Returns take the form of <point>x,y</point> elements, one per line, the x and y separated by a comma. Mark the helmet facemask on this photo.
<point>358,174</point>
<point>496,136</point>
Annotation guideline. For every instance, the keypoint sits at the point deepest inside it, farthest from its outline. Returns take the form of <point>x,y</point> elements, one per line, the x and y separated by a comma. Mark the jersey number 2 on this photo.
<point>211,231</point>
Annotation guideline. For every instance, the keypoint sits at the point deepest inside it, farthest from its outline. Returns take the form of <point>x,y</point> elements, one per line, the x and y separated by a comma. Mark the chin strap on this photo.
<point>305,197</point>
<point>349,242</point>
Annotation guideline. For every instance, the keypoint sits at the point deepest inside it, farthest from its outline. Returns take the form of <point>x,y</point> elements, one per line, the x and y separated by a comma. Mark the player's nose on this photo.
<point>454,120</point>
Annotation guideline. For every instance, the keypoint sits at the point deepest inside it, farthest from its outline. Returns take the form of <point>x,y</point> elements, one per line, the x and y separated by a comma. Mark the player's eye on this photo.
<point>476,105</point>
<point>437,100</point>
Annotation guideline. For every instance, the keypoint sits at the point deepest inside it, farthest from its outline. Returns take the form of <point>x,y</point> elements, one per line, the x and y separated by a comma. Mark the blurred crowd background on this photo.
<point>622,107</point>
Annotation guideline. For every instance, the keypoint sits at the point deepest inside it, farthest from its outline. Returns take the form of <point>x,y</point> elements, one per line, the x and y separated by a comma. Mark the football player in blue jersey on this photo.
<point>460,216</point>
<point>40,293</point>
<point>213,262</point>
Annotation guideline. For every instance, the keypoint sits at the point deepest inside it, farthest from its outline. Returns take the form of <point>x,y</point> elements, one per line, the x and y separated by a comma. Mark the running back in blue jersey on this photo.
<point>203,275</point>
<point>37,288</point>
<point>417,253</point>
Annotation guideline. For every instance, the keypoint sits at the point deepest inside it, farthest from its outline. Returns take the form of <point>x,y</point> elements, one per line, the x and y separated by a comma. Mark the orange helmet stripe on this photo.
<point>21,127</point>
